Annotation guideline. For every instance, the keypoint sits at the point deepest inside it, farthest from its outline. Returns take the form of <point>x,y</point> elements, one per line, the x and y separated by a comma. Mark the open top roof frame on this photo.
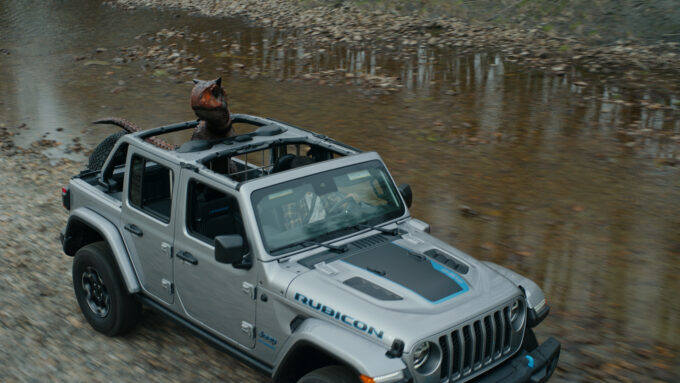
<point>245,143</point>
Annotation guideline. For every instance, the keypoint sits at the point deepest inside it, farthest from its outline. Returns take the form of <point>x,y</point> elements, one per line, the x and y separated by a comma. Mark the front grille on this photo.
<point>476,345</point>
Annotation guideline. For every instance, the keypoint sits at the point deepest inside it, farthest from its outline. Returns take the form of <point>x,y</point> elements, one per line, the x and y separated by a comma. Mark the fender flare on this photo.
<point>534,294</point>
<point>111,235</point>
<point>362,355</point>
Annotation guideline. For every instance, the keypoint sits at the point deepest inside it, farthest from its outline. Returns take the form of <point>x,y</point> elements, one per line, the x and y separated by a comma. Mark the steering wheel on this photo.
<point>349,201</point>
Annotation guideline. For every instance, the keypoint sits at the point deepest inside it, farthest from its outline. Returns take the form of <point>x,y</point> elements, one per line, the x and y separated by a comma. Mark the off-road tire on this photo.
<point>101,152</point>
<point>95,275</point>
<point>330,374</point>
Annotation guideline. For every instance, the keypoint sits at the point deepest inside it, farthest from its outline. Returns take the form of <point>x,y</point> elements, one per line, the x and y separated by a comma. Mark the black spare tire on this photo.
<point>101,152</point>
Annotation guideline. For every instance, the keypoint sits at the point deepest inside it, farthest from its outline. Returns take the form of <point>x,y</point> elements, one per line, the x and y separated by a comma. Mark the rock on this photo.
<point>467,211</point>
<point>543,53</point>
<point>96,62</point>
<point>559,69</point>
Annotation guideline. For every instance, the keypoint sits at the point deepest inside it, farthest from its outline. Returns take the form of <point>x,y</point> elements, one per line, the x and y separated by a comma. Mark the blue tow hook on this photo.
<point>531,361</point>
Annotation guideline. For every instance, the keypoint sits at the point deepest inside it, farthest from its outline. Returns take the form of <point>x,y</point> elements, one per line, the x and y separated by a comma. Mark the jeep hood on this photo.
<point>408,287</point>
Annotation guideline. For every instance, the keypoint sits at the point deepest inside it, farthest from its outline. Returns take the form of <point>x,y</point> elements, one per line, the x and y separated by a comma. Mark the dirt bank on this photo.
<point>389,30</point>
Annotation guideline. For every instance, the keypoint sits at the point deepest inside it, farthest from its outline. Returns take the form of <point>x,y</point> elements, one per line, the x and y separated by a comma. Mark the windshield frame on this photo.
<point>295,174</point>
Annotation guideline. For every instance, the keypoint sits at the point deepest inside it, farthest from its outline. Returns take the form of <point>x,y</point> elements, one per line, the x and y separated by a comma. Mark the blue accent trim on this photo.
<point>456,278</point>
<point>441,268</point>
<point>266,344</point>
<point>531,361</point>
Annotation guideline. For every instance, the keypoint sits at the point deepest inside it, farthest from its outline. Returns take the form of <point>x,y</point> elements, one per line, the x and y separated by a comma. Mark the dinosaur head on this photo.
<point>209,102</point>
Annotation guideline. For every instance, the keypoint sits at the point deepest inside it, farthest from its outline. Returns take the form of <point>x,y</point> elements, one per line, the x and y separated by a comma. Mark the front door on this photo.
<point>214,294</point>
<point>148,222</point>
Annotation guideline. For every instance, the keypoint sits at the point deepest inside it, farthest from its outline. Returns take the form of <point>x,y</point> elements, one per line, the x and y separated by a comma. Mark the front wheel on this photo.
<point>101,295</point>
<point>330,374</point>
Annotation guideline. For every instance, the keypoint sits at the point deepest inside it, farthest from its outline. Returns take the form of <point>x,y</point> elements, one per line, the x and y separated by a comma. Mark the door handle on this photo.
<point>187,257</point>
<point>134,230</point>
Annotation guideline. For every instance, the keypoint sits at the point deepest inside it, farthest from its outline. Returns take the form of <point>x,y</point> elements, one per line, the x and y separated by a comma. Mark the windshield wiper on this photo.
<point>392,232</point>
<point>307,243</point>
<point>333,248</point>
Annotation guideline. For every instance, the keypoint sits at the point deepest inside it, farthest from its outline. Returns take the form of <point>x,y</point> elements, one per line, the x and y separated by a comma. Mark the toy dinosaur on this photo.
<point>209,102</point>
<point>130,127</point>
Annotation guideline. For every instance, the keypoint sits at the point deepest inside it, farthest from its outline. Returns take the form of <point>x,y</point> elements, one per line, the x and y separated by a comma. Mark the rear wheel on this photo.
<point>100,292</point>
<point>101,152</point>
<point>330,374</point>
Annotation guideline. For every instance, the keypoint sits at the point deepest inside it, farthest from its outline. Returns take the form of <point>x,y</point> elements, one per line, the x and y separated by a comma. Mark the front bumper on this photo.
<point>536,366</point>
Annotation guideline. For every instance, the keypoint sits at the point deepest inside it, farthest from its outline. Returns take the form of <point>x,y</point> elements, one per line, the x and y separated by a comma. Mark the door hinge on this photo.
<point>249,289</point>
<point>166,248</point>
<point>168,286</point>
<point>248,329</point>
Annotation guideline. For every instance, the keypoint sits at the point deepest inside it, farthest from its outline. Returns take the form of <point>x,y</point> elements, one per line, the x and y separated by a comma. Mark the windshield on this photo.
<point>324,206</point>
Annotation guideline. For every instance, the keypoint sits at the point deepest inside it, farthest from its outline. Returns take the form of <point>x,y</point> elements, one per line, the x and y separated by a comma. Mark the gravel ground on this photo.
<point>43,335</point>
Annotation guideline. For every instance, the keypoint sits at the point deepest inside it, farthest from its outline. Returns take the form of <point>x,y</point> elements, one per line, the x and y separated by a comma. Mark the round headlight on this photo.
<point>420,354</point>
<point>514,311</point>
<point>517,314</point>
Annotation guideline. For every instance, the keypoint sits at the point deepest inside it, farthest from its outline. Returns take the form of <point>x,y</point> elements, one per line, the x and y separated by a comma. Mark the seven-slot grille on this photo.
<point>476,345</point>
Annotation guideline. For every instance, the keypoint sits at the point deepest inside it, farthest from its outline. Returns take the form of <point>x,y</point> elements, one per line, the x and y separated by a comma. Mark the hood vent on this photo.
<point>370,288</point>
<point>448,260</point>
<point>371,241</point>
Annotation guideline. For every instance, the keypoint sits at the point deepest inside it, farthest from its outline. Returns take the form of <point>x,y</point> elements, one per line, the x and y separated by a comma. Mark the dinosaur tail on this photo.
<point>130,127</point>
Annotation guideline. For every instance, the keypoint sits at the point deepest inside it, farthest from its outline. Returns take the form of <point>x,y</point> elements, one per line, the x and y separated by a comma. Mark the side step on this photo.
<point>209,338</point>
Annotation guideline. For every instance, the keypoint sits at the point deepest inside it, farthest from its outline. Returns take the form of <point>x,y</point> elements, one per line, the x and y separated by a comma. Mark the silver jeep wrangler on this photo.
<point>296,254</point>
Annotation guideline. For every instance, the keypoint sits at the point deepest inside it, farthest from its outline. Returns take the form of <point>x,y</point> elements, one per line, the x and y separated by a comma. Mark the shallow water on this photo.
<point>570,185</point>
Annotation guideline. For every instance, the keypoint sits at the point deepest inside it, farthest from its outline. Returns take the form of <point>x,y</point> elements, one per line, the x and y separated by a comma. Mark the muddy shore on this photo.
<point>43,335</point>
<point>357,26</point>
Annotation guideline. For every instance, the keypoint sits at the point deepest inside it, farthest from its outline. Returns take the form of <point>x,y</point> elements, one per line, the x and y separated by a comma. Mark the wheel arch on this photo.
<point>302,358</point>
<point>329,344</point>
<point>85,226</point>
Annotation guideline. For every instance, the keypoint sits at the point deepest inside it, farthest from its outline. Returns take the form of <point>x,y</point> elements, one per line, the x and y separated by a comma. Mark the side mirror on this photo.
<point>230,249</point>
<point>405,191</point>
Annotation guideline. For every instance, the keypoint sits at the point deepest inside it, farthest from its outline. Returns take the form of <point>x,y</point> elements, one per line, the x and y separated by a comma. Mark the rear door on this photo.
<point>148,220</point>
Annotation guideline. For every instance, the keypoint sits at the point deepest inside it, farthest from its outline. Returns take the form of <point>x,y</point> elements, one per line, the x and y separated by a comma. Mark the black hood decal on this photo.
<point>410,269</point>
